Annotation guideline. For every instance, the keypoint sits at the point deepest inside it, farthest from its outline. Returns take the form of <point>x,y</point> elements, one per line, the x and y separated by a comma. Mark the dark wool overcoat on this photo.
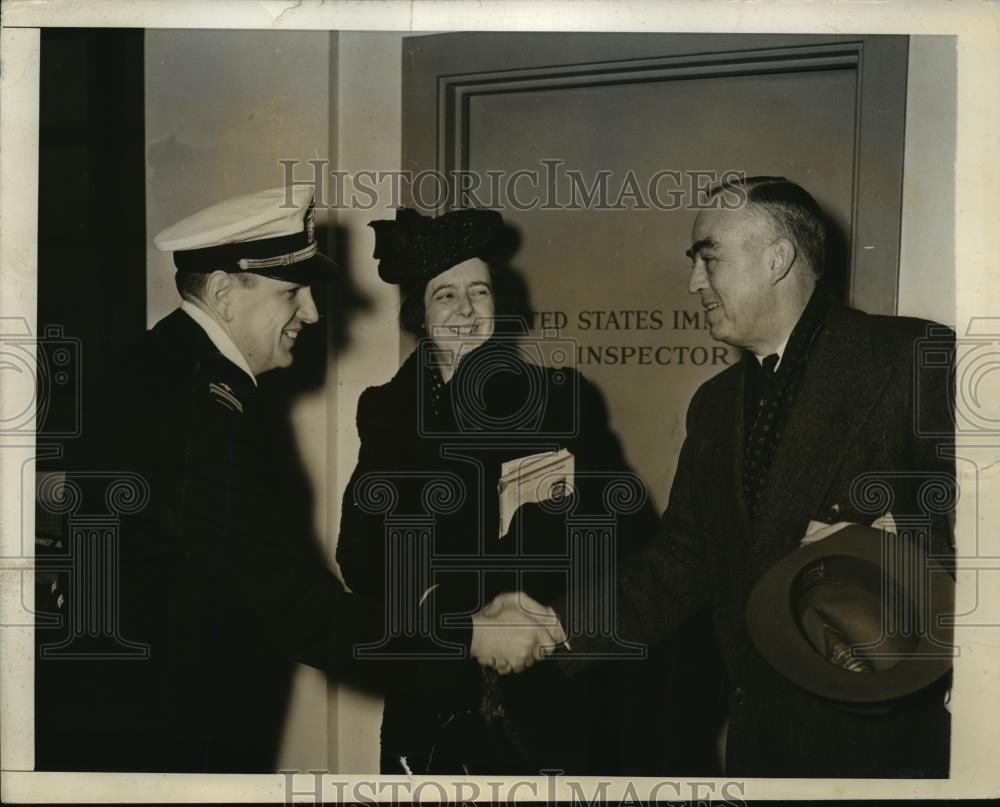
<point>868,433</point>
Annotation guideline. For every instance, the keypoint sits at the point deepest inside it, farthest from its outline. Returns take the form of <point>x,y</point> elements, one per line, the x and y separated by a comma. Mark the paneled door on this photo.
<point>598,149</point>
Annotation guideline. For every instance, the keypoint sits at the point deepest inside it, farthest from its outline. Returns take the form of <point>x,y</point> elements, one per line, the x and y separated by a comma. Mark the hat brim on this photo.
<point>313,271</point>
<point>778,637</point>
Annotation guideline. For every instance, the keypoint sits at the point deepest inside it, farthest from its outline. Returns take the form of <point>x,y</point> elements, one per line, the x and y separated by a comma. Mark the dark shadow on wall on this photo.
<point>343,299</point>
<point>318,346</point>
<point>837,276</point>
<point>338,302</point>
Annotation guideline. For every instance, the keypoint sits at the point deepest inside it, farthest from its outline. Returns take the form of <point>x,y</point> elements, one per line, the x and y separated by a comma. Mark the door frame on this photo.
<point>442,73</point>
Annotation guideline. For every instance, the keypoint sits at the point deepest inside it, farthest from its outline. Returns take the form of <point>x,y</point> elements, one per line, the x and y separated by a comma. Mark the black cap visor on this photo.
<point>313,271</point>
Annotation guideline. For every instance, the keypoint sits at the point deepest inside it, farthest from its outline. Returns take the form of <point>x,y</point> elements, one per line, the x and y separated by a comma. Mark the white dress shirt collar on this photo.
<point>218,336</point>
<point>780,351</point>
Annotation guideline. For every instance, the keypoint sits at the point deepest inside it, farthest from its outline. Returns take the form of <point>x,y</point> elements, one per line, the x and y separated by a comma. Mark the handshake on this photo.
<point>514,631</point>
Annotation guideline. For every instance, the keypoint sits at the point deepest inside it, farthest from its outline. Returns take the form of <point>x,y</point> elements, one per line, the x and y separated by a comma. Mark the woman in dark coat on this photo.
<point>422,509</point>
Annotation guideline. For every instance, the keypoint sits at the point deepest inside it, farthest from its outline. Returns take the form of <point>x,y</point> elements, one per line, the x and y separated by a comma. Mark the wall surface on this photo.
<point>927,248</point>
<point>368,134</point>
<point>221,108</point>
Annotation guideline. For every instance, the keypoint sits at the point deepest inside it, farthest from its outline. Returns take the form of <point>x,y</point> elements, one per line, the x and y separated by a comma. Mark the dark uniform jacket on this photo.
<point>213,579</point>
<point>861,439</point>
<point>429,465</point>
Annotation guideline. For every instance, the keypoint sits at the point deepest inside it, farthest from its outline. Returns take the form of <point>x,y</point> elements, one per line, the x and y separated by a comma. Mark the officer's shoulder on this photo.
<point>144,368</point>
<point>166,352</point>
<point>192,378</point>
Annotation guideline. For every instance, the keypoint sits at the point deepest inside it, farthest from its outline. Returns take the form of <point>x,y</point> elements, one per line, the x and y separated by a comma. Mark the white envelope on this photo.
<point>535,478</point>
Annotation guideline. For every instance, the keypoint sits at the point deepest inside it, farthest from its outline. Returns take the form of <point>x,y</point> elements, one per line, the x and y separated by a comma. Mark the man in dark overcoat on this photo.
<point>831,416</point>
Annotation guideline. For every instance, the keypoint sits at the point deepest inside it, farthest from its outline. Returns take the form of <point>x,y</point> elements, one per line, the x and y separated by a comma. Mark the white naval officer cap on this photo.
<point>270,233</point>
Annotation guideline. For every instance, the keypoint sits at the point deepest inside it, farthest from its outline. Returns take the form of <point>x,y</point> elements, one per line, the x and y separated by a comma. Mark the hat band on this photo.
<point>249,264</point>
<point>247,255</point>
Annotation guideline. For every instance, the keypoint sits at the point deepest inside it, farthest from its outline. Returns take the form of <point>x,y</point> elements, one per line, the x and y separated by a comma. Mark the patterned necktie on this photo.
<point>762,435</point>
<point>771,392</point>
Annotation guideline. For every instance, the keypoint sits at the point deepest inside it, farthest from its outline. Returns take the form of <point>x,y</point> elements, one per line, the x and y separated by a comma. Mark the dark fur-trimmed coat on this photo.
<point>429,465</point>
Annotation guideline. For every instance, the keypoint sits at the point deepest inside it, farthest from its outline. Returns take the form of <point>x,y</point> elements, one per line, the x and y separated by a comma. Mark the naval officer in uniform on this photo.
<point>214,580</point>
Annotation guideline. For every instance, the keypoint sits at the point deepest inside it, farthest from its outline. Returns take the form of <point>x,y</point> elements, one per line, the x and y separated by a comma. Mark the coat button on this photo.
<point>832,512</point>
<point>739,696</point>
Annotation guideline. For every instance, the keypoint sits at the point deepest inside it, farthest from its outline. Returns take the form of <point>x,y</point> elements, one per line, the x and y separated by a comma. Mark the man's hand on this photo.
<point>513,631</point>
<point>818,530</point>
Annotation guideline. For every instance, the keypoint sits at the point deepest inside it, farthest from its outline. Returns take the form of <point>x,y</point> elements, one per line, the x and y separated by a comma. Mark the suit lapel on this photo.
<point>843,380</point>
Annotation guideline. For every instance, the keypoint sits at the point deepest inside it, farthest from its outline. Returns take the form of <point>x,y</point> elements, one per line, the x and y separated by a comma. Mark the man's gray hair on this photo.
<point>791,209</point>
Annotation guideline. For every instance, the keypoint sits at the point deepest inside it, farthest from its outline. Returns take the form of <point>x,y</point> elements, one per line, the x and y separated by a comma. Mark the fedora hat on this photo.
<point>863,616</point>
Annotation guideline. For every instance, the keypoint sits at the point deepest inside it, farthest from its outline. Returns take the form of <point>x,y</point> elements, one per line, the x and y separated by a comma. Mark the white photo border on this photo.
<point>976,25</point>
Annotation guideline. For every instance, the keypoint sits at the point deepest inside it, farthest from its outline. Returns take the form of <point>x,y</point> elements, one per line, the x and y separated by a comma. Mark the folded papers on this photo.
<point>536,478</point>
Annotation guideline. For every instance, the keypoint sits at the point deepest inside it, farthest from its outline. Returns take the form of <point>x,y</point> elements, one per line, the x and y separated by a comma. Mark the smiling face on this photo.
<point>267,317</point>
<point>730,271</point>
<point>459,307</point>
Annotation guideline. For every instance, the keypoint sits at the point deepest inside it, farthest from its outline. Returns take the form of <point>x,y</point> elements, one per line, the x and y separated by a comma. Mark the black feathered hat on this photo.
<point>414,248</point>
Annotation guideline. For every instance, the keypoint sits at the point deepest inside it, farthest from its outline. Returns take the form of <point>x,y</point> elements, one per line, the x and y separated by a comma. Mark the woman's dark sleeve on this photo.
<point>361,545</point>
<point>383,483</point>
